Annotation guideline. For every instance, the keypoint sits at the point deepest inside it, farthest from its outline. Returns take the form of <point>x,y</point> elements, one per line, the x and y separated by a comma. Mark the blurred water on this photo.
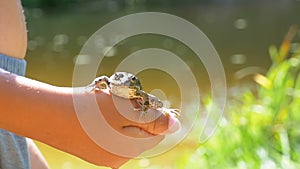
<point>241,33</point>
<point>55,38</point>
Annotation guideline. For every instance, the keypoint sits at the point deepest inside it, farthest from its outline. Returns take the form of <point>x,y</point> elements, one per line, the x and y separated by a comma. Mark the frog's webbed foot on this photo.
<point>171,112</point>
<point>99,83</point>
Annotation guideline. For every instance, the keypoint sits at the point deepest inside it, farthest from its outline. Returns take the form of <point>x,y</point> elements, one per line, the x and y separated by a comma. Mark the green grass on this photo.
<point>262,129</point>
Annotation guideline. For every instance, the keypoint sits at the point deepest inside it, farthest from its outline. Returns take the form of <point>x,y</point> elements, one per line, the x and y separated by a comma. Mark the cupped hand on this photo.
<point>114,132</point>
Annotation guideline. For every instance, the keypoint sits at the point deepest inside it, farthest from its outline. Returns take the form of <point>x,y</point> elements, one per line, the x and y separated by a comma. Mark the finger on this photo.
<point>159,122</point>
<point>122,115</point>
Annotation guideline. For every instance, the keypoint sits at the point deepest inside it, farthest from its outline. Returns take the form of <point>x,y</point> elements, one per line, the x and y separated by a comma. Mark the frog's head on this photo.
<point>124,79</point>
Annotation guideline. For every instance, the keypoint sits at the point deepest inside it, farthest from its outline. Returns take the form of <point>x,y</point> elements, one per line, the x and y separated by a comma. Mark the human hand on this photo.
<point>119,142</point>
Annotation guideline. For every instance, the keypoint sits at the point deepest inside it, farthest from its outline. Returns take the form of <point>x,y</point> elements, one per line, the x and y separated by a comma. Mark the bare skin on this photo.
<point>13,39</point>
<point>46,113</point>
<point>13,42</point>
<point>37,160</point>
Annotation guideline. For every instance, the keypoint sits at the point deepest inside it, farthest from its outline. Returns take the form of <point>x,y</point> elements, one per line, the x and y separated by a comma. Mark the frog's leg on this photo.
<point>154,102</point>
<point>99,83</point>
<point>142,109</point>
<point>143,101</point>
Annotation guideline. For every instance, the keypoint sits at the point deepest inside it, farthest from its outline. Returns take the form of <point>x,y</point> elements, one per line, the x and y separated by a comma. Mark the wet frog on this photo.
<point>128,86</point>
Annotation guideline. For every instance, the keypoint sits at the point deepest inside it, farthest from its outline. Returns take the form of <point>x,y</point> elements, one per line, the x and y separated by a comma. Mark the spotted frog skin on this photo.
<point>128,86</point>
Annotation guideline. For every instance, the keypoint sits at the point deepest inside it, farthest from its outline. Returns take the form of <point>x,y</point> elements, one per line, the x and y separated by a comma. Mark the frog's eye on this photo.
<point>133,78</point>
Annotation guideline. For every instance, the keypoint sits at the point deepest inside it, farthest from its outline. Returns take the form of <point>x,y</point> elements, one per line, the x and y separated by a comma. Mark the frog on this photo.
<point>127,85</point>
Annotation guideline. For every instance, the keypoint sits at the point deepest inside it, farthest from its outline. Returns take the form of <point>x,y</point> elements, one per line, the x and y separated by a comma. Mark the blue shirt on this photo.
<point>13,148</point>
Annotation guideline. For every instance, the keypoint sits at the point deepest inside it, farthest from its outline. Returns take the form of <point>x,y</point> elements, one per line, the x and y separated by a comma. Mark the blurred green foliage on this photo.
<point>47,3</point>
<point>262,125</point>
<point>148,3</point>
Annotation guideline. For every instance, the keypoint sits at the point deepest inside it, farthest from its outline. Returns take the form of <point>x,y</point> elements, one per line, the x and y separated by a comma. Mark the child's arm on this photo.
<point>46,113</point>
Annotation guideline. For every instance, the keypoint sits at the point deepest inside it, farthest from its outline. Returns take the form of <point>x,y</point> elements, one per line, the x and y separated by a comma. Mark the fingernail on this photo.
<point>174,125</point>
